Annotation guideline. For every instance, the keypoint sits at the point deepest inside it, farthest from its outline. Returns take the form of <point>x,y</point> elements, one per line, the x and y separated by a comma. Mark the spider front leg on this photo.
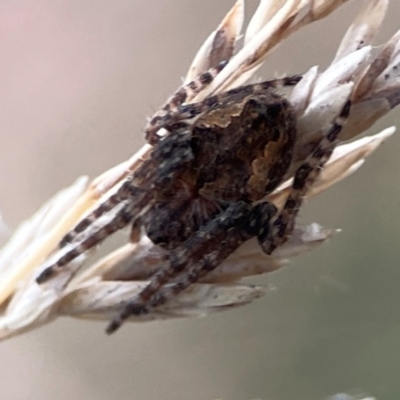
<point>126,191</point>
<point>199,255</point>
<point>184,93</point>
<point>166,160</point>
<point>169,117</point>
<point>120,221</point>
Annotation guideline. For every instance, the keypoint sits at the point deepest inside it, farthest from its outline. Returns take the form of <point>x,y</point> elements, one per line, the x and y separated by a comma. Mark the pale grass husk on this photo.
<point>98,291</point>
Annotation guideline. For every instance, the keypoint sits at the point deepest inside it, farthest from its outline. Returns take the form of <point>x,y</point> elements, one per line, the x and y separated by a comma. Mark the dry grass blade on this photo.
<point>101,299</point>
<point>321,8</point>
<point>220,45</point>
<point>242,66</point>
<point>35,239</point>
<point>265,13</point>
<point>345,160</point>
<point>364,28</point>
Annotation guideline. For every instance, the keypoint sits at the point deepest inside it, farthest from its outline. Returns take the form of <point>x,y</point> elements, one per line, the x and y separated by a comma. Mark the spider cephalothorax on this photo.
<point>200,193</point>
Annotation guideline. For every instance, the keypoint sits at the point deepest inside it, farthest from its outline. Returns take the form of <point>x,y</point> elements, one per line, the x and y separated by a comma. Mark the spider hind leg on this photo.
<point>305,176</point>
<point>199,255</point>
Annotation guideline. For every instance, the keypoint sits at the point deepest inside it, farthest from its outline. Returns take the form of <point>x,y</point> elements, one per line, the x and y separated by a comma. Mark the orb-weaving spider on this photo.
<point>200,193</point>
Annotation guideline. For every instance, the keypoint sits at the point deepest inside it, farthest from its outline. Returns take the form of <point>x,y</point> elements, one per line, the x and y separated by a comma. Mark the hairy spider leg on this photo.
<point>184,93</point>
<point>137,193</point>
<point>140,179</point>
<point>126,191</point>
<point>232,227</point>
<point>168,119</point>
<point>120,221</point>
<point>304,178</point>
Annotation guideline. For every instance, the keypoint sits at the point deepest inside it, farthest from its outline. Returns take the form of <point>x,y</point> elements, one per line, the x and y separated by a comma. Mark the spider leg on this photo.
<point>127,191</point>
<point>121,220</point>
<point>130,189</point>
<point>184,93</point>
<point>137,193</point>
<point>167,119</point>
<point>175,149</point>
<point>199,255</point>
<point>304,178</point>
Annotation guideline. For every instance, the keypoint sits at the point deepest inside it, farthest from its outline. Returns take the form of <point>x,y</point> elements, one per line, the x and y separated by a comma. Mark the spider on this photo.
<point>200,193</point>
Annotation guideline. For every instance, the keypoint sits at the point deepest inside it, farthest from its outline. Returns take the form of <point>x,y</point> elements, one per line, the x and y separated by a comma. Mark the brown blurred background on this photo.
<point>77,80</point>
